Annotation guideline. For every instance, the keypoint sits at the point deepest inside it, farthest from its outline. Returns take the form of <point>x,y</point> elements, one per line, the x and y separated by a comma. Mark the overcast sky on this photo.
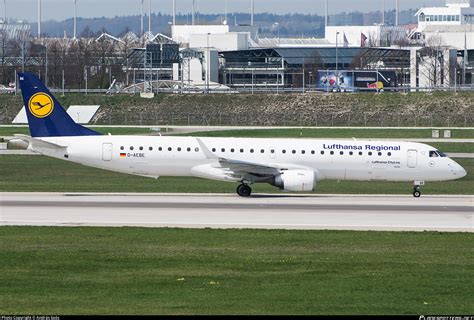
<point>62,9</point>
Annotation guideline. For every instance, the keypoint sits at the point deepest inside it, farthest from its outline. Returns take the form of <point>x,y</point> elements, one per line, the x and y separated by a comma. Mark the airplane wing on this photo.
<point>240,168</point>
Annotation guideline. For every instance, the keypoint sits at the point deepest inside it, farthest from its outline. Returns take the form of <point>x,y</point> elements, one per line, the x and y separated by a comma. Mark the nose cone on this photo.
<point>458,171</point>
<point>461,172</point>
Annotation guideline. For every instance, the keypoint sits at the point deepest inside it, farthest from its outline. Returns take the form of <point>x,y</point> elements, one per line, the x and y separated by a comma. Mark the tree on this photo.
<point>432,61</point>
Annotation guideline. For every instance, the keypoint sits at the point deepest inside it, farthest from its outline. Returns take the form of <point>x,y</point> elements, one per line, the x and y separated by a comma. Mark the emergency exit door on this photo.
<point>412,158</point>
<point>107,151</point>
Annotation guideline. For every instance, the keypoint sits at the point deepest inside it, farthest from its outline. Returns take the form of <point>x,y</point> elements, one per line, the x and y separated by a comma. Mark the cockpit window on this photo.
<point>441,154</point>
<point>437,153</point>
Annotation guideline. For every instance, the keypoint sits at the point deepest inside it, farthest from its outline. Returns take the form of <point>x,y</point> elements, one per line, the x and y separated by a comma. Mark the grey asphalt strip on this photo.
<point>241,206</point>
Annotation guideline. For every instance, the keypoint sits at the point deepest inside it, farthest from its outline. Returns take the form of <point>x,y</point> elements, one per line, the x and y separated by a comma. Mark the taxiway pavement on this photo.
<point>336,212</point>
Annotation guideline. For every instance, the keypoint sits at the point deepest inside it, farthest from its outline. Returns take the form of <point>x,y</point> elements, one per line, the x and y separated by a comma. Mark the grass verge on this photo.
<point>332,133</point>
<point>42,174</point>
<point>180,271</point>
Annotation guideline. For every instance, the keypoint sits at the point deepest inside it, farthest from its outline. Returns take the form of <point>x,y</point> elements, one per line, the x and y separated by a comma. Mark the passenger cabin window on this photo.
<point>283,151</point>
<point>169,149</point>
<point>241,150</point>
<point>313,152</point>
<point>141,148</point>
<point>122,148</point>
<point>322,152</point>
<point>150,148</point>
<point>179,149</point>
<point>332,152</point>
<point>131,148</point>
<point>262,151</point>
<point>389,154</point>
<point>360,153</point>
<point>189,149</point>
<point>370,153</point>
<point>351,153</point>
<point>303,152</point>
<point>252,151</point>
<point>213,149</point>
<point>341,153</point>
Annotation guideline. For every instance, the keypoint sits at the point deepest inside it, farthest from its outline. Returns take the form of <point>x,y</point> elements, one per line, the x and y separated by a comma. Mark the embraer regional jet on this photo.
<point>289,164</point>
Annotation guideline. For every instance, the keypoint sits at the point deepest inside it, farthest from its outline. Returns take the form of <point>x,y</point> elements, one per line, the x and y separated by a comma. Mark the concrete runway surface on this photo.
<point>337,212</point>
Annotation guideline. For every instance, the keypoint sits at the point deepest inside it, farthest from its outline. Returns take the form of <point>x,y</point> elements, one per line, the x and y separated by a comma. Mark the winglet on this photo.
<point>207,152</point>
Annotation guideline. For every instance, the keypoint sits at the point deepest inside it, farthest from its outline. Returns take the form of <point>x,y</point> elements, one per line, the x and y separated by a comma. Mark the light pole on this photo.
<point>278,30</point>
<point>141,20</point>
<point>39,19</point>
<point>85,77</point>
<point>337,62</point>
<point>226,12</point>
<point>174,12</point>
<point>208,63</point>
<point>75,20</point>
<point>149,17</point>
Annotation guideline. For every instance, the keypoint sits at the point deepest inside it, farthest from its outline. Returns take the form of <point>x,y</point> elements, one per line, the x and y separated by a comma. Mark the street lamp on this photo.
<point>278,30</point>
<point>208,63</point>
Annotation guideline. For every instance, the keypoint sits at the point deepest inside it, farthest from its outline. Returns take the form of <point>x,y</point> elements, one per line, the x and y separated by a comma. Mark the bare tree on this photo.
<point>3,44</point>
<point>373,40</point>
<point>432,61</point>
<point>103,51</point>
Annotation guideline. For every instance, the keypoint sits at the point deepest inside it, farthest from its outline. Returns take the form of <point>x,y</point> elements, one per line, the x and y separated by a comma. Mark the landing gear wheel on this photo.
<point>417,193</point>
<point>244,190</point>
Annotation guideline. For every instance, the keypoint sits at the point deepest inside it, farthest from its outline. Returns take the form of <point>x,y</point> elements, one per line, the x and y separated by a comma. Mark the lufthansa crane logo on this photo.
<point>41,105</point>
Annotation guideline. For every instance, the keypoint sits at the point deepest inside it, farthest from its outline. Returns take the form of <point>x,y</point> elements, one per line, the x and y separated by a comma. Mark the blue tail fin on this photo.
<point>46,116</point>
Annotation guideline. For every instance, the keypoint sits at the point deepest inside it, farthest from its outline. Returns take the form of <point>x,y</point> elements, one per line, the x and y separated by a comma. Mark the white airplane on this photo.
<point>289,164</point>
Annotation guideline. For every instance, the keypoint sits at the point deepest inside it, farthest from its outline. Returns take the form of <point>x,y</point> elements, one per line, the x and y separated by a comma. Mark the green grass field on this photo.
<point>194,272</point>
<point>10,131</point>
<point>280,133</point>
<point>334,133</point>
<point>43,174</point>
<point>443,145</point>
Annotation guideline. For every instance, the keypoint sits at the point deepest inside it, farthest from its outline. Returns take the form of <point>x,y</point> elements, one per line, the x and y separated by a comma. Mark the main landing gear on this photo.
<point>417,188</point>
<point>244,190</point>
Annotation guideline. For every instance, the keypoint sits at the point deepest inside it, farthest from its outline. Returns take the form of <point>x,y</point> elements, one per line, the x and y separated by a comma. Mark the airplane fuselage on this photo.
<point>333,159</point>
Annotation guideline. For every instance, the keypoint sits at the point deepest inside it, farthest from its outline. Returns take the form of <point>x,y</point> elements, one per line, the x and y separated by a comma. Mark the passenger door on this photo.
<point>107,151</point>
<point>412,158</point>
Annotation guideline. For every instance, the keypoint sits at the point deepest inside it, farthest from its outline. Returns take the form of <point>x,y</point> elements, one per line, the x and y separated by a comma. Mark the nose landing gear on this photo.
<point>244,190</point>
<point>417,188</point>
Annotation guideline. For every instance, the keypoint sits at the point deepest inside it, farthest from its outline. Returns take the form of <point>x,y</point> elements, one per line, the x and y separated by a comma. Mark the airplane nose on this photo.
<point>462,172</point>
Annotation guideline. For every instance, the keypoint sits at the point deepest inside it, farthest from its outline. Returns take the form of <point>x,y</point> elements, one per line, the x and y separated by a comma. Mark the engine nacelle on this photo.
<point>296,180</point>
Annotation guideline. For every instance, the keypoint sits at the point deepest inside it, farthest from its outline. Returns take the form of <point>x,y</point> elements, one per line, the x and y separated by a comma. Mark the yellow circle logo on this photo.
<point>41,105</point>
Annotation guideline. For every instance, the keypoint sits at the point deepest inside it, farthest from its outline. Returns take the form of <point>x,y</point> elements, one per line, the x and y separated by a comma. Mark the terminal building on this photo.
<point>438,52</point>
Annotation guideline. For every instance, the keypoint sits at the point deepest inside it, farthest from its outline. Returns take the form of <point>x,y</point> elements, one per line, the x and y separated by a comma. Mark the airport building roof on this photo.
<point>291,42</point>
<point>325,56</point>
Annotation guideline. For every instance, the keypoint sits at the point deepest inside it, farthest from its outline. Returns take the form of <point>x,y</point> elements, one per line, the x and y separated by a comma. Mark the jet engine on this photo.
<point>296,180</point>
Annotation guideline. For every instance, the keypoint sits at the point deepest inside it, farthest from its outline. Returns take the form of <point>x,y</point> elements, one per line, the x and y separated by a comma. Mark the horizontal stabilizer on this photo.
<point>40,143</point>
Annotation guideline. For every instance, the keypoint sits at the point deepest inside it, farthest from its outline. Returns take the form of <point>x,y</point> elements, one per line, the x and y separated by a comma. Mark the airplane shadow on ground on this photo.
<point>269,196</point>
